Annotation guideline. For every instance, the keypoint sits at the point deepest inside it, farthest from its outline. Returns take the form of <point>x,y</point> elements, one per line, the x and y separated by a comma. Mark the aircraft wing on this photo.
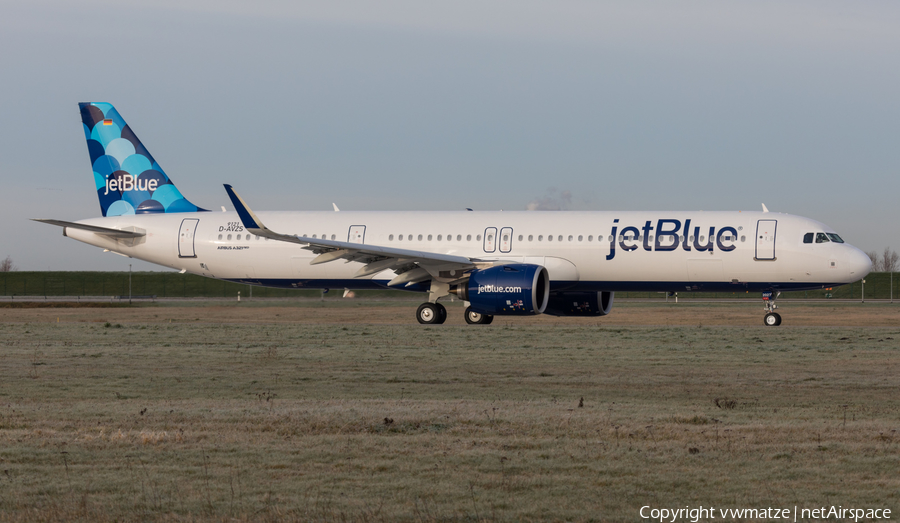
<point>106,231</point>
<point>411,266</point>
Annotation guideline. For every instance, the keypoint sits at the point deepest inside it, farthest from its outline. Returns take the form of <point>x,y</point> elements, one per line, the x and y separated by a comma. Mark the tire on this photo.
<point>772,319</point>
<point>477,318</point>
<point>429,314</point>
<point>777,318</point>
<point>442,313</point>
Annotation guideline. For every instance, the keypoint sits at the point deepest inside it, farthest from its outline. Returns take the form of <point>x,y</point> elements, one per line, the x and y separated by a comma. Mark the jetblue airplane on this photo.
<point>499,263</point>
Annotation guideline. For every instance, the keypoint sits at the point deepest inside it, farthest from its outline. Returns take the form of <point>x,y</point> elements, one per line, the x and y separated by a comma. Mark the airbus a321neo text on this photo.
<point>499,263</point>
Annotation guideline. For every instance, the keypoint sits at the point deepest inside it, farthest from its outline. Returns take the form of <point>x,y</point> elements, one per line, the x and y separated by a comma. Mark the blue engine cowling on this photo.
<point>517,289</point>
<point>580,303</point>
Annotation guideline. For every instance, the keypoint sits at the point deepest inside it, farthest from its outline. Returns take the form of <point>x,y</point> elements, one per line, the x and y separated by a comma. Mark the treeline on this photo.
<point>175,285</point>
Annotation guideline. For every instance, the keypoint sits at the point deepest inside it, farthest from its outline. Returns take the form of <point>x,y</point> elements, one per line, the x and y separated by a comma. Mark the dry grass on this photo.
<point>202,420</point>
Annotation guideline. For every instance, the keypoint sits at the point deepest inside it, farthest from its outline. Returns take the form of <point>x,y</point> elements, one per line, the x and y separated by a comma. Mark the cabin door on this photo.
<point>765,239</point>
<point>186,235</point>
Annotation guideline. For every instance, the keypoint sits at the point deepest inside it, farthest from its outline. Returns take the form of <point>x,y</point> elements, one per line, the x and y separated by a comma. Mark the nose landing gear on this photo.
<point>772,318</point>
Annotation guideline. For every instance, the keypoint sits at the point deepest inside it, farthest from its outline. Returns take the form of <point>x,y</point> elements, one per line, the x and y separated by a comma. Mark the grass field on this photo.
<point>347,413</point>
<point>879,285</point>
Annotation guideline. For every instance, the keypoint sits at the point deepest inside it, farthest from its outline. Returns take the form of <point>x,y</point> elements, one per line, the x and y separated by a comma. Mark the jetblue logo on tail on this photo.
<point>127,178</point>
<point>130,183</point>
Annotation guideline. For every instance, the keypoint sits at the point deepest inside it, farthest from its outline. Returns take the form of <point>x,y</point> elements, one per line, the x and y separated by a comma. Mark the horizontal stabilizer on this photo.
<point>106,231</point>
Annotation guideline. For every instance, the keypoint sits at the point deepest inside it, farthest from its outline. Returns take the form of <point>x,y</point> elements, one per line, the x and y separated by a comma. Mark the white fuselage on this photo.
<point>604,251</point>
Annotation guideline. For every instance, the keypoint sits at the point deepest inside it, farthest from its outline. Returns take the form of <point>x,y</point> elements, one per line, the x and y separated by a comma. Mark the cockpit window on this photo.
<point>808,237</point>
<point>821,238</point>
<point>834,237</point>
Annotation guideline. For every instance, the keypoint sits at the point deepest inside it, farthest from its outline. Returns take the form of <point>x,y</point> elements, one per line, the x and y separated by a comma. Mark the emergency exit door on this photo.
<point>506,239</point>
<point>357,234</point>
<point>765,239</point>
<point>186,235</point>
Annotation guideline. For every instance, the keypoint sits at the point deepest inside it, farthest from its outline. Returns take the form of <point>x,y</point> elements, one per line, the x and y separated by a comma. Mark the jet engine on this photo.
<point>516,289</point>
<point>580,303</point>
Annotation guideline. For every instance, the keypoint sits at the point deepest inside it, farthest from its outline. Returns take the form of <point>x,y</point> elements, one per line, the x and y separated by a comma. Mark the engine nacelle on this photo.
<point>516,289</point>
<point>580,303</point>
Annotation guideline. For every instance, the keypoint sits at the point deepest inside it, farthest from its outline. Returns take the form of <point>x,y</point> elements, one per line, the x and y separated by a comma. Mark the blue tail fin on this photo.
<point>128,179</point>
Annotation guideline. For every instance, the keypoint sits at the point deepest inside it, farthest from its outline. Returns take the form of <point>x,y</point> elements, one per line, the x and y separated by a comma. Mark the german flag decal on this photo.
<point>107,122</point>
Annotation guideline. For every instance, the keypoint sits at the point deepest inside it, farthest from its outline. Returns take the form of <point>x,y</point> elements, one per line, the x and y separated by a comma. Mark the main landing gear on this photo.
<point>431,314</point>
<point>772,318</point>
<point>435,314</point>
<point>477,318</point>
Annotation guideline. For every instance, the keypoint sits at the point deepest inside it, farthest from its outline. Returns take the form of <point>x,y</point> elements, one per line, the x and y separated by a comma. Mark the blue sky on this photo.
<point>424,105</point>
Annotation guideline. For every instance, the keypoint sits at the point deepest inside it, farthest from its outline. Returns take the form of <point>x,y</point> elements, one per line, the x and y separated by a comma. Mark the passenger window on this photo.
<point>459,237</point>
<point>390,237</point>
<point>238,236</point>
<point>468,237</point>
<point>591,238</point>
<point>429,237</point>
<point>420,237</point>
<point>821,238</point>
<point>334,237</point>
<point>229,236</point>
<point>550,238</point>
<point>808,237</point>
<point>220,236</point>
<point>478,238</point>
<point>530,237</point>
<point>560,237</point>
<point>520,237</point>
<point>540,237</point>
<point>440,237</point>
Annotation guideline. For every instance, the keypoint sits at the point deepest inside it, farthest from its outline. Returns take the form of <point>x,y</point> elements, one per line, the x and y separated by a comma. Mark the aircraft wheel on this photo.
<point>772,319</point>
<point>477,318</point>
<point>778,318</point>
<point>430,314</point>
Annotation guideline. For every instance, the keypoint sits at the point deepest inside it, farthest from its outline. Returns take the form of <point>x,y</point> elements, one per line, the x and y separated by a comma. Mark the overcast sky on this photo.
<point>444,105</point>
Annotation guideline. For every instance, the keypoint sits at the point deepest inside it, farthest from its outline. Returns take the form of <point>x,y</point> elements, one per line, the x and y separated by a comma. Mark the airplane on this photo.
<point>563,263</point>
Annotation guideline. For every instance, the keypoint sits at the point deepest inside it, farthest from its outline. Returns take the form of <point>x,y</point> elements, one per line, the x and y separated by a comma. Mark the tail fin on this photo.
<point>128,179</point>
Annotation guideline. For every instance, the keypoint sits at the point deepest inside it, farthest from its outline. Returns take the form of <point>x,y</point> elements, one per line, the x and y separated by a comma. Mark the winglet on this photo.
<point>765,209</point>
<point>249,219</point>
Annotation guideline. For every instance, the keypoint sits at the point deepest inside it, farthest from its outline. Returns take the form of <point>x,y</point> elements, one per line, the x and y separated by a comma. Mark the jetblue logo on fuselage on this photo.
<point>130,182</point>
<point>669,236</point>
<point>497,288</point>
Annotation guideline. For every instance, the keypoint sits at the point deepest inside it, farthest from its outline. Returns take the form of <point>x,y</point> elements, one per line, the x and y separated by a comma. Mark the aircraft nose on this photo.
<point>859,263</point>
